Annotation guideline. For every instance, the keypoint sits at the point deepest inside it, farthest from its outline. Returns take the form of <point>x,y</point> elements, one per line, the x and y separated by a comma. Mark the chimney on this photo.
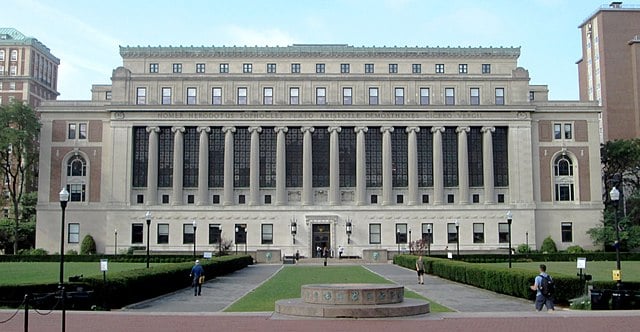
<point>615,4</point>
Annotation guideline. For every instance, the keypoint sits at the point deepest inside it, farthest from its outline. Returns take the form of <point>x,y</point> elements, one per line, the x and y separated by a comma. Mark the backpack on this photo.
<point>547,286</point>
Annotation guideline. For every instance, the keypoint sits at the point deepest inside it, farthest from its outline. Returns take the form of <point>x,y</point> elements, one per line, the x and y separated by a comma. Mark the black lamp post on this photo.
<point>349,229</point>
<point>294,229</point>
<point>410,246</point>
<point>195,226</point>
<point>457,239</point>
<point>429,241</point>
<point>509,219</point>
<point>148,217</point>
<point>115,242</point>
<point>398,240</point>
<point>237,238</point>
<point>246,238</point>
<point>615,198</point>
<point>64,199</point>
<point>220,241</point>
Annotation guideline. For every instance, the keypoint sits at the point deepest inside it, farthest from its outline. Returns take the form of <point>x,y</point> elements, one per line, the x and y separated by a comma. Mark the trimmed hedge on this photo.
<point>96,258</point>
<point>132,286</point>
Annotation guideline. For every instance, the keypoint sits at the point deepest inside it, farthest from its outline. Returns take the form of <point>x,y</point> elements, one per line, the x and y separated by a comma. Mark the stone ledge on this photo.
<point>297,307</point>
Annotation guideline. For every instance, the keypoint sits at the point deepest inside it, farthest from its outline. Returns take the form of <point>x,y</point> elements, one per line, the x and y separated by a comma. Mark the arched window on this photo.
<point>77,178</point>
<point>76,166</point>
<point>563,179</point>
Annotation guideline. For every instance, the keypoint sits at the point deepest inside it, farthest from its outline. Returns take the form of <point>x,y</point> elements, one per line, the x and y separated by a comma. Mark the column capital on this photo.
<point>228,129</point>
<point>463,129</point>
<point>360,129</point>
<point>414,129</point>
<point>386,129</point>
<point>281,129</point>
<point>153,129</point>
<point>437,129</point>
<point>177,129</point>
<point>255,129</point>
<point>206,129</point>
<point>336,129</point>
<point>307,129</point>
<point>488,129</point>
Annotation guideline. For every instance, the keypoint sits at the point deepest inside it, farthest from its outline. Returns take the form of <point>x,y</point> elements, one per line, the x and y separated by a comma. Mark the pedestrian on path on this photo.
<point>197,275</point>
<point>420,270</point>
<point>543,285</point>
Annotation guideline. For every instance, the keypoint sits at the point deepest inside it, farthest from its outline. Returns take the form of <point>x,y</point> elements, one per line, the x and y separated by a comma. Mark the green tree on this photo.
<point>88,246</point>
<point>548,245</point>
<point>19,128</point>
<point>621,157</point>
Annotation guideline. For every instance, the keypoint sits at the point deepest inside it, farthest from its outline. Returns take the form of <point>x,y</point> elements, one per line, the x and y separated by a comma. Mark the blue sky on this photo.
<point>85,35</point>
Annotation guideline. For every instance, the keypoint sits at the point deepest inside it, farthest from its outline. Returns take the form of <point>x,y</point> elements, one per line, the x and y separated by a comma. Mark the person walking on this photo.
<point>544,286</point>
<point>197,275</point>
<point>420,270</point>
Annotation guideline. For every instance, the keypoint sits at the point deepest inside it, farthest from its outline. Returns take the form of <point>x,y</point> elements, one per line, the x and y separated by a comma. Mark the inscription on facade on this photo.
<point>317,115</point>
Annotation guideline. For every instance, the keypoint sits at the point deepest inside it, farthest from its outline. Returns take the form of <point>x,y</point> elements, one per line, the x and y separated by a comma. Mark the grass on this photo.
<point>287,282</point>
<point>20,273</point>
<point>601,270</point>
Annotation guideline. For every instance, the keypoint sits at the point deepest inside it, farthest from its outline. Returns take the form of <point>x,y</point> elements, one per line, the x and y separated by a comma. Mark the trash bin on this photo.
<point>600,299</point>
<point>621,299</point>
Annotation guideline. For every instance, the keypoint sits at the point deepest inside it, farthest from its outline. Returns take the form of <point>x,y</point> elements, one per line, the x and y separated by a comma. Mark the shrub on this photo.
<point>575,250</point>
<point>33,252</point>
<point>548,246</point>
<point>71,252</point>
<point>524,249</point>
<point>88,246</point>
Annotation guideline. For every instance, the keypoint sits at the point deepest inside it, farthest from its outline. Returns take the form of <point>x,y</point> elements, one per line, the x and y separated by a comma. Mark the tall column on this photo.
<point>228,165</point>
<point>334,166</point>
<point>281,166</point>
<point>412,164</point>
<point>307,164</point>
<point>463,165</point>
<point>203,166</point>
<point>254,168</point>
<point>178,164</point>
<point>387,165</point>
<point>487,162</point>
<point>152,166</point>
<point>361,172</point>
<point>438,166</point>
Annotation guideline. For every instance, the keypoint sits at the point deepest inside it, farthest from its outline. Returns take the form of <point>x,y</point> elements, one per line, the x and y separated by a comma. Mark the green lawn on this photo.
<point>601,271</point>
<point>18,273</point>
<point>286,285</point>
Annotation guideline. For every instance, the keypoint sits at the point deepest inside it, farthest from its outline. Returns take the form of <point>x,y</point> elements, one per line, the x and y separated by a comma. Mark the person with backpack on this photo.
<point>544,287</point>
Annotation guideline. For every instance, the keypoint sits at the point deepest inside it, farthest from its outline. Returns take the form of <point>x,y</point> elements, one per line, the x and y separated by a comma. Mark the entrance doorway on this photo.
<point>321,235</point>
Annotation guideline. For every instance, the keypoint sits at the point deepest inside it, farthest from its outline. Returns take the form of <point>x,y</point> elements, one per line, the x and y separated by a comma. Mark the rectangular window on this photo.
<point>1,70</point>
<point>401,233</point>
<point>557,131</point>
<point>452,234</point>
<point>449,96</point>
<point>139,199</point>
<point>474,96</point>
<point>192,96</point>
<point>165,199</point>
<point>320,68</point>
<point>14,55</point>
<point>567,232</point>
<point>374,199</point>
<point>425,199</point>
<point>346,96</point>
<point>141,96</point>
<point>532,95</point>
<point>375,234</point>
<point>216,96</point>
<point>200,68</point>
<point>74,233</point>
<point>399,96</point>
<point>154,67</point>
<point>427,233</point>
<point>321,96</point>
<point>247,68</point>
<point>393,68</point>
<point>166,96</point>
<point>416,68</point>
<point>295,68</point>
<point>267,234</point>
<point>503,233</point>
<point>486,68</point>
<point>399,199</point>
<point>368,68</point>
<point>475,198</point>
<point>568,132</point>
<point>424,96</point>
<point>463,68</point>
<point>478,233</point>
<point>373,96</point>
<point>72,131</point>
<point>107,95</point>
<point>136,233</point>
<point>188,233</point>
<point>439,68</point>
<point>1,55</point>
<point>499,96</point>
<point>564,192</point>
<point>267,96</point>
<point>13,71</point>
<point>294,96</point>
<point>563,131</point>
<point>177,68</point>
<point>242,96</point>
<point>215,233</point>
<point>344,68</point>
<point>163,234</point>
<point>271,68</point>
<point>82,130</point>
<point>224,68</point>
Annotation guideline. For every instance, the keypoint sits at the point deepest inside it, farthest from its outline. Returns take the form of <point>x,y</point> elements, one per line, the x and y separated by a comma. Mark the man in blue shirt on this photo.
<point>542,299</point>
<point>196,272</point>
